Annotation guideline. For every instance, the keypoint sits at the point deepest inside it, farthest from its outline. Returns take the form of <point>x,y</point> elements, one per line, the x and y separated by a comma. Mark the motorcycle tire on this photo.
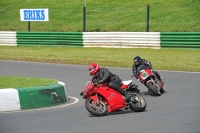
<point>140,105</point>
<point>153,89</point>
<point>96,110</point>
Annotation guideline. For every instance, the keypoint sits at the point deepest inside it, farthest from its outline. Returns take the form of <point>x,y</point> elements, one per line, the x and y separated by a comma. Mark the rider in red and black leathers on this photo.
<point>139,61</point>
<point>104,75</point>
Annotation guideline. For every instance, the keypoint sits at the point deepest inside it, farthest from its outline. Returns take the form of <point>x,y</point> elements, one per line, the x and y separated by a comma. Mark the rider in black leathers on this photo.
<point>104,75</point>
<point>139,61</point>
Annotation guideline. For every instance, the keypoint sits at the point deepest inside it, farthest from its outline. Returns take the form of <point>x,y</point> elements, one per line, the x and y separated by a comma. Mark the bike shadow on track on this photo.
<point>117,113</point>
<point>150,93</point>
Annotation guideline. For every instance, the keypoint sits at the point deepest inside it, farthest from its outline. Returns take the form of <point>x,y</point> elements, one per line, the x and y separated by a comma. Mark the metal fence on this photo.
<point>127,16</point>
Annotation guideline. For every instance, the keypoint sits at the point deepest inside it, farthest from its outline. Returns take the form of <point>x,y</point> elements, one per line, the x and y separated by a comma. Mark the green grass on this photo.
<point>23,82</point>
<point>104,15</point>
<point>161,59</point>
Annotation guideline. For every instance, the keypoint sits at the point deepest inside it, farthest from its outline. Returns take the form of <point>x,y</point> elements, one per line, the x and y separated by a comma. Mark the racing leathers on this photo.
<point>146,64</point>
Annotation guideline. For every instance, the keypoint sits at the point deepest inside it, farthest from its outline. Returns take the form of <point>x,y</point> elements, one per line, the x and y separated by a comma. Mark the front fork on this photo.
<point>95,98</point>
<point>154,83</point>
<point>96,103</point>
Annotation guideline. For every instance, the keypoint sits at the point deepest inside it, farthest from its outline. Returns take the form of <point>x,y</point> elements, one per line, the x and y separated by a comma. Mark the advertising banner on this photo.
<point>34,15</point>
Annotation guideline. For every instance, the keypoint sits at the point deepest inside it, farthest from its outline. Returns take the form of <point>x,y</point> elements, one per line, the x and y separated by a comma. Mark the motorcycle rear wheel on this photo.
<point>99,109</point>
<point>154,89</point>
<point>140,105</point>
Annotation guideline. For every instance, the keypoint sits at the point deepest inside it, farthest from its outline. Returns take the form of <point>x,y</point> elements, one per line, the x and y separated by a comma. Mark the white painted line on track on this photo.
<point>76,100</point>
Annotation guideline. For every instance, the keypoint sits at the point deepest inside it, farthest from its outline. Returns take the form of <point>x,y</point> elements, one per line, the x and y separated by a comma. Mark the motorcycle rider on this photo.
<point>139,61</point>
<point>104,75</point>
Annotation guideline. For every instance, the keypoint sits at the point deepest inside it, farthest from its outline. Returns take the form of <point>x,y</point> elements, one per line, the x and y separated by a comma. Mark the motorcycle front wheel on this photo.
<point>139,104</point>
<point>154,89</point>
<point>96,109</point>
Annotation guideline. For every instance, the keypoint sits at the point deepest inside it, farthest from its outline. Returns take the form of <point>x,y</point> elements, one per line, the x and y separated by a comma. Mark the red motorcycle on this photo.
<point>101,99</point>
<point>150,80</point>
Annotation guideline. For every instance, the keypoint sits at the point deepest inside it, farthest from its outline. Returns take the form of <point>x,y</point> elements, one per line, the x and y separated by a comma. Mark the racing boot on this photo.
<point>125,94</point>
<point>159,77</point>
<point>162,91</point>
<point>129,97</point>
<point>162,80</point>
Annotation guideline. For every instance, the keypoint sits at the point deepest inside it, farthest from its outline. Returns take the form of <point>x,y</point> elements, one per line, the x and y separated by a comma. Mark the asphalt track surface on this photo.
<point>176,111</point>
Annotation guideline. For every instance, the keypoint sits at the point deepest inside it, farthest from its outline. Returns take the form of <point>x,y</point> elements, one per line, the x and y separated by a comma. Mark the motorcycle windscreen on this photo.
<point>141,67</point>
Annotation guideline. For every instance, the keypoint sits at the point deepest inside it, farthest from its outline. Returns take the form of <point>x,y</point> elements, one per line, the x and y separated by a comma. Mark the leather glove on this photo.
<point>97,82</point>
<point>81,93</point>
<point>94,83</point>
<point>100,81</point>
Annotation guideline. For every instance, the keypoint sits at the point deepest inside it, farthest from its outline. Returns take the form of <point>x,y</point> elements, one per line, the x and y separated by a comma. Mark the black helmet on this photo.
<point>137,60</point>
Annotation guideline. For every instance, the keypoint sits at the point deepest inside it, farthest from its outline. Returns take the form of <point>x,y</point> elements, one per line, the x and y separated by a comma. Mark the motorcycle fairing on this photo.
<point>113,98</point>
<point>145,74</point>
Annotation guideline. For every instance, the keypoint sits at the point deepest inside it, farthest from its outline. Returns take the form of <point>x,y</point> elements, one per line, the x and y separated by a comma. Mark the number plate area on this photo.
<point>144,75</point>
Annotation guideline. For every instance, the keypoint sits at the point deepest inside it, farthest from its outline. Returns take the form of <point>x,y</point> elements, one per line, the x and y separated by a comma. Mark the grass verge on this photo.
<point>23,82</point>
<point>161,59</point>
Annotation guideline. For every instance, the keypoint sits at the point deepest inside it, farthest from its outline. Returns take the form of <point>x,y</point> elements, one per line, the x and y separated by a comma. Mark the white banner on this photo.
<point>34,15</point>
